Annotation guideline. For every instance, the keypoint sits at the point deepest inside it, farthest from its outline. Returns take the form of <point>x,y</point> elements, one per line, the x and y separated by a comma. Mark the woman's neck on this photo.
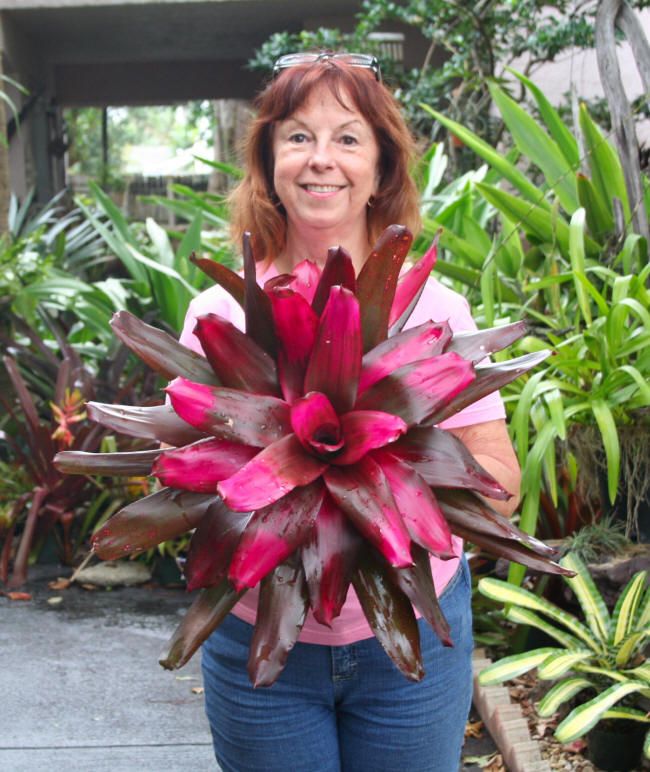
<point>313,245</point>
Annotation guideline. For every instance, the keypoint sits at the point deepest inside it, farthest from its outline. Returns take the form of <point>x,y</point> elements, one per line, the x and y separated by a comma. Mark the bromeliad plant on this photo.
<point>604,654</point>
<point>306,454</point>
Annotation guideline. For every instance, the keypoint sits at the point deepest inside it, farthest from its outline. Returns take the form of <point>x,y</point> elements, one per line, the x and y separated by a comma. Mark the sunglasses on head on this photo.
<point>365,61</point>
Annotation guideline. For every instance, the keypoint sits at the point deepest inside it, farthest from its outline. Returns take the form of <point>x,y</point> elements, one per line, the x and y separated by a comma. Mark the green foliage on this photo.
<point>595,541</point>
<point>603,654</point>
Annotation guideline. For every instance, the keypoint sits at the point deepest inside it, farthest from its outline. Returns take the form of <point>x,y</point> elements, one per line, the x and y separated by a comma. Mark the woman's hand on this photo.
<point>490,445</point>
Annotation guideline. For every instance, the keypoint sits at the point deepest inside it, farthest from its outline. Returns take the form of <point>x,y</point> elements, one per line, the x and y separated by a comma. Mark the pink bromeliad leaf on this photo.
<point>236,359</point>
<point>295,325</point>
<point>330,559</point>
<point>274,533</point>
<point>416,503</point>
<point>281,613</point>
<point>365,430</point>
<point>200,466</point>
<point>415,391</point>
<point>363,493</point>
<point>409,288</point>
<point>306,276</point>
<point>273,473</point>
<point>230,414</point>
<point>213,544</point>
<point>443,461</point>
<point>377,283</point>
<point>338,270</point>
<point>336,359</point>
<point>316,424</point>
<point>422,342</point>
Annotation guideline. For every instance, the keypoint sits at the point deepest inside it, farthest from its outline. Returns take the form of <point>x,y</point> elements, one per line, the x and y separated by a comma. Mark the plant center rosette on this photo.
<point>306,454</point>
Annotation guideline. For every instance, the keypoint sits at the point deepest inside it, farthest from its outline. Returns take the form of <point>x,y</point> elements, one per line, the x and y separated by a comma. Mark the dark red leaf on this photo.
<point>409,288</point>
<point>232,282</point>
<point>475,346</point>
<point>416,582</point>
<point>257,306</point>
<point>415,391</point>
<point>275,471</point>
<point>422,342</point>
<point>230,414</point>
<point>330,558</point>
<point>156,423</point>
<point>489,378</point>
<point>511,550</point>
<point>213,544</point>
<point>200,466</point>
<point>377,283</point>
<point>443,461</point>
<point>274,533</point>
<point>466,509</point>
<point>281,281</point>
<point>335,362</point>
<point>161,351</point>
<point>365,430</point>
<point>338,271</point>
<point>164,515</point>
<point>363,493</point>
<point>281,613</point>
<point>133,464</point>
<point>236,359</point>
<point>295,325</point>
<point>390,615</point>
<point>316,424</point>
<point>203,617</point>
<point>416,503</point>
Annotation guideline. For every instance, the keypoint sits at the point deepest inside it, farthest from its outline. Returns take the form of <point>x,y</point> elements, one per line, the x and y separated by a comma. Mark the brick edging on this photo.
<point>506,723</point>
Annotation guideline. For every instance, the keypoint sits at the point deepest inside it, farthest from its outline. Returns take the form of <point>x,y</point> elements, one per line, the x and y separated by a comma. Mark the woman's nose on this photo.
<point>321,157</point>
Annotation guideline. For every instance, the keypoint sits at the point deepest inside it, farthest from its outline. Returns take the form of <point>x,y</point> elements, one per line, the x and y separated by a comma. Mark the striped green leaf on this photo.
<point>590,599</point>
<point>627,714</point>
<point>535,143</point>
<point>640,673</point>
<point>558,664</point>
<point>627,606</point>
<point>612,675</point>
<point>629,645</point>
<point>646,745</point>
<point>522,616</point>
<point>556,127</point>
<point>513,666</point>
<point>644,613</point>
<point>583,718</point>
<point>560,693</point>
<point>508,593</point>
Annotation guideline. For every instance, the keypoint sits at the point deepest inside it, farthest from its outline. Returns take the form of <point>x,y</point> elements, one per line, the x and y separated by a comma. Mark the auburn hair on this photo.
<point>255,206</point>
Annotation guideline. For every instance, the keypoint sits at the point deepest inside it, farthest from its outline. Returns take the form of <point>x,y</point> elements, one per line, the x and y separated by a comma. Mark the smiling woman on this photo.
<point>327,163</point>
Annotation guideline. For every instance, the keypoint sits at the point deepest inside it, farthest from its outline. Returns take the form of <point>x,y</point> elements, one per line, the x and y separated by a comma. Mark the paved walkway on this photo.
<point>81,688</point>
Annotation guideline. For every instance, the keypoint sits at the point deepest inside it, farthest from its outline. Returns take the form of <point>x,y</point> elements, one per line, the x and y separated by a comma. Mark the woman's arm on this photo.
<point>490,445</point>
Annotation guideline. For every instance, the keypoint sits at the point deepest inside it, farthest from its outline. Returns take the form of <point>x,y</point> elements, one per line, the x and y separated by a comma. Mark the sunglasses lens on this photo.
<point>355,60</point>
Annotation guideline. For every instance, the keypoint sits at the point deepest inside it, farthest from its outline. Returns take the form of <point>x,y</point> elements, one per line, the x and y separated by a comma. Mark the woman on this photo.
<point>327,163</point>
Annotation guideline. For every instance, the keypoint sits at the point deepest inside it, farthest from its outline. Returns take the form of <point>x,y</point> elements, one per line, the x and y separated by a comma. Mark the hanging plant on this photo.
<point>306,454</point>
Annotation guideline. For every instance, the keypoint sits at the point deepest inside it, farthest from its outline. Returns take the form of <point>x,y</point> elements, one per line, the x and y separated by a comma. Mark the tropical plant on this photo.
<point>305,464</point>
<point>603,654</point>
<point>564,248</point>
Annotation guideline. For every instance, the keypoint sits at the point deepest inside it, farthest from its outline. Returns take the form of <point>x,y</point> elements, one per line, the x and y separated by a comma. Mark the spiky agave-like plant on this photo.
<point>306,454</point>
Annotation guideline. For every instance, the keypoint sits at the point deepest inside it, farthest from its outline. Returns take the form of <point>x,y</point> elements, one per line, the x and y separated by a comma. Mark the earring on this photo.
<point>371,202</point>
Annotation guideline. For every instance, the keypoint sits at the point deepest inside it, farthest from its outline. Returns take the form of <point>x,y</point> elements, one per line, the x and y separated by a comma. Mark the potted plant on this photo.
<point>601,658</point>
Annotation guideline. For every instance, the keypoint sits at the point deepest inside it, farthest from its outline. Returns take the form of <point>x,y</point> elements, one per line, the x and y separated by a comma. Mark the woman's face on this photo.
<point>326,164</point>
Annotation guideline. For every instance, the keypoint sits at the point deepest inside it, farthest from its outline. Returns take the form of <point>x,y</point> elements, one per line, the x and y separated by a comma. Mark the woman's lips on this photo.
<point>322,191</point>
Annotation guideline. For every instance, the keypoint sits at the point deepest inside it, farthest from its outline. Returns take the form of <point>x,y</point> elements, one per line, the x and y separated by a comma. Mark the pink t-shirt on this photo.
<point>437,303</point>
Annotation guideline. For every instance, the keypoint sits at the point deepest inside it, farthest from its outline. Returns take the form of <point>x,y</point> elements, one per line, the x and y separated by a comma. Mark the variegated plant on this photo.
<point>305,454</point>
<point>604,654</point>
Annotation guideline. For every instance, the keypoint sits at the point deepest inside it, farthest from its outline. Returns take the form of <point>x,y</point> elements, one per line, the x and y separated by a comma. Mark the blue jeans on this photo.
<point>343,708</point>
